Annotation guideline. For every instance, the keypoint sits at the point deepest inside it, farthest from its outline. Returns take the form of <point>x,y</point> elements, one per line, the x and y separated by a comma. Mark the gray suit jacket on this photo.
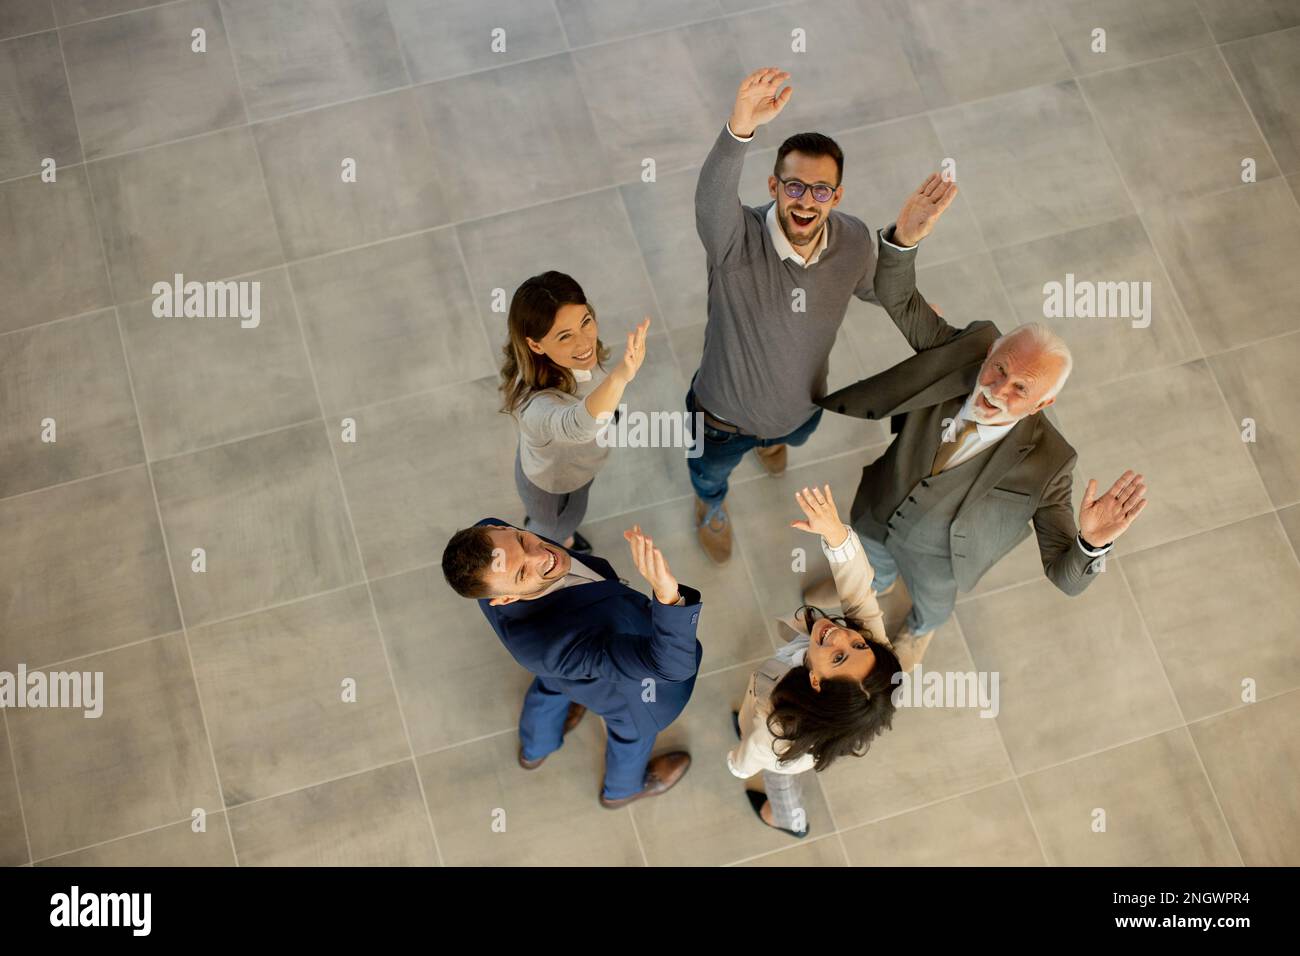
<point>1025,477</point>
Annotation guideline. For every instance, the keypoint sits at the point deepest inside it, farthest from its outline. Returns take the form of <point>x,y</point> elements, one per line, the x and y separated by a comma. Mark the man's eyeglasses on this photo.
<point>795,189</point>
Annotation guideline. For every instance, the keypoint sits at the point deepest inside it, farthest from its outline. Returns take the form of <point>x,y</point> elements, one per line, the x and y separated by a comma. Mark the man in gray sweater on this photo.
<point>780,278</point>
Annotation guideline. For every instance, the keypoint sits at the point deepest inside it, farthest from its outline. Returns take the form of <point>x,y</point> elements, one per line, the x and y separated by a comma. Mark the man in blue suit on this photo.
<point>591,642</point>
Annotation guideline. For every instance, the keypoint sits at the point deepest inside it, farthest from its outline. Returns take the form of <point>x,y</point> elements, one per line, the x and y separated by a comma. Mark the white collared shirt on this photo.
<point>988,434</point>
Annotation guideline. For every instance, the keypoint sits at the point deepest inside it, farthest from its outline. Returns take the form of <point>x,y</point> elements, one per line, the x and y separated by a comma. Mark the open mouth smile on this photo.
<point>803,220</point>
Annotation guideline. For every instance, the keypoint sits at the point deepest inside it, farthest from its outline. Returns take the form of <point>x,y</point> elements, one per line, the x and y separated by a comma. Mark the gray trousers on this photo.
<point>929,580</point>
<point>785,794</point>
<point>548,514</point>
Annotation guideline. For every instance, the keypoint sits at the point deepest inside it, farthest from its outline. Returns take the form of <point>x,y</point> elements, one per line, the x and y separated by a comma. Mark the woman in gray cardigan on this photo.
<point>547,384</point>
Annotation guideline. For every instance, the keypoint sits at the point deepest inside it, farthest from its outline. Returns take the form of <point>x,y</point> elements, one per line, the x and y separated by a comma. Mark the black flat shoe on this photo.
<point>756,800</point>
<point>580,544</point>
<point>735,723</point>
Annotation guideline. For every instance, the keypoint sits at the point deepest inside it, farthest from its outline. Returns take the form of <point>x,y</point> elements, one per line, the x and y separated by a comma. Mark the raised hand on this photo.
<point>651,565</point>
<point>821,515</point>
<point>1102,520</point>
<point>759,99</point>
<point>633,354</point>
<point>922,210</point>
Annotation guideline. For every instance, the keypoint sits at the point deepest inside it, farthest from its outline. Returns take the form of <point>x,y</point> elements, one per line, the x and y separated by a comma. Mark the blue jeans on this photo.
<point>723,452</point>
<point>929,581</point>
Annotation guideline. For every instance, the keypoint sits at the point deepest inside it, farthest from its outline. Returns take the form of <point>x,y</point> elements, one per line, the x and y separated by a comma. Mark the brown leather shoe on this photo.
<point>773,458</point>
<point>715,536</point>
<point>574,717</point>
<point>571,720</point>
<point>661,775</point>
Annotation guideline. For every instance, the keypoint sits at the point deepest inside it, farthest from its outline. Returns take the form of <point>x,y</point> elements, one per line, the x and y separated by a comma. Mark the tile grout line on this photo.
<point>144,447</point>
<point>338,477</point>
<point>1015,775</point>
<point>18,791</point>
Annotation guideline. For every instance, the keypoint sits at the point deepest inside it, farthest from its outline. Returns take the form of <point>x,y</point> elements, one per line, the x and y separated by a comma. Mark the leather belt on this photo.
<point>721,424</point>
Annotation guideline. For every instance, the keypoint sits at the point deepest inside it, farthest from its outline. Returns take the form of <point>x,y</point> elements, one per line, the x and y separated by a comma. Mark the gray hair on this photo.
<point>1045,342</point>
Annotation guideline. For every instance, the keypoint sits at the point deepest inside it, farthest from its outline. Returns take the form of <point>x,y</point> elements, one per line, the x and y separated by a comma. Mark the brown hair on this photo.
<point>532,315</point>
<point>467,555</point>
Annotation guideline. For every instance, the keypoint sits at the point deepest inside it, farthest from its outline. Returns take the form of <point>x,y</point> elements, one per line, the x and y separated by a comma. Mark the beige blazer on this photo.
<point>757,748</point>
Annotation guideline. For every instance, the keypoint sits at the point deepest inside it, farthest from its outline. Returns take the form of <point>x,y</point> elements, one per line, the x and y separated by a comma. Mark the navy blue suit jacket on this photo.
<point>598,643</point>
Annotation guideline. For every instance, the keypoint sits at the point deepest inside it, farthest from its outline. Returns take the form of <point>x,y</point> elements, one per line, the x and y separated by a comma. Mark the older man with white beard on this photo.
<point>973,463</point>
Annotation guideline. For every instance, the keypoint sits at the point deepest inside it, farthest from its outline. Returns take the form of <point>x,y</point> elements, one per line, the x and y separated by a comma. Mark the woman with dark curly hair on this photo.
<point>828,692</point>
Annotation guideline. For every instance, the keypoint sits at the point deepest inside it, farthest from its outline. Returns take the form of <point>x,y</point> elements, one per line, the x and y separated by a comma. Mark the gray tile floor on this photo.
<point>477,168</point>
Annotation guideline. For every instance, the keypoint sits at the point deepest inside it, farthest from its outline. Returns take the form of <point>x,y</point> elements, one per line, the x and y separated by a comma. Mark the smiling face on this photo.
<point>835,651</point>
<point>803,219</point>
<point>1015,381</point>
<point>523,565</point>
<point>571,342</point>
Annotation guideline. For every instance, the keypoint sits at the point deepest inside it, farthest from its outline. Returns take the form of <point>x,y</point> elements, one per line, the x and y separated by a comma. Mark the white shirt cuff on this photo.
<point>893,245</point>
<point>844,552</point>
<point>1092,552</point>
<point>739,139</point>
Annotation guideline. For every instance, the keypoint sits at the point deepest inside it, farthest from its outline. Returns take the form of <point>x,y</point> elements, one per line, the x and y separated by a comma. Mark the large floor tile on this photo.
<point>1105,347</point>
<point>75,11</point>
<point>930,754</point>
<point>1251,757</point>
<point>1159,808</point>
<point>296,54</point>
<point>1267,68</point>
<point>731,627</point>
<point>455,680</point>
<point>662,214</point>
<point>197,208</point>
<point>1204,130</point>
<point>706,820</point>
<point>1013,153</point>
<point>143,763</point>
<point>277,725</point>
<point>13,833</point>
<point>36,116</point>
<point>588,238</point>
<point>20,17</point>
<point>1230,258</point>
<point>71,372</point>
<point>174,845</point>
<point>809,853</point>
<point>1134,31</point>
<point>377,818</point>
<point>200,381</point>
<point>268,512</point>
<point>489,811</point>
<point>420,330</point>
<point>1091,681</point>
<point>964,50</point>
<point>883,165</point>
<point>1234,19</point>
<point>694,72</point>
<point>444,38</point>
<point>1290,518</point>
<point>58,268</point>
<point>986,828</point>
<point>513,136</point>
<point>1173,423</point>
<point>1256,380</point>
<point>837,32</point>
<point>1254,606</point>
<point>587,22</point>
<point>396,191</point>
<point>83,569</point>
<point>408,491</point>
<point>134,84</point>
